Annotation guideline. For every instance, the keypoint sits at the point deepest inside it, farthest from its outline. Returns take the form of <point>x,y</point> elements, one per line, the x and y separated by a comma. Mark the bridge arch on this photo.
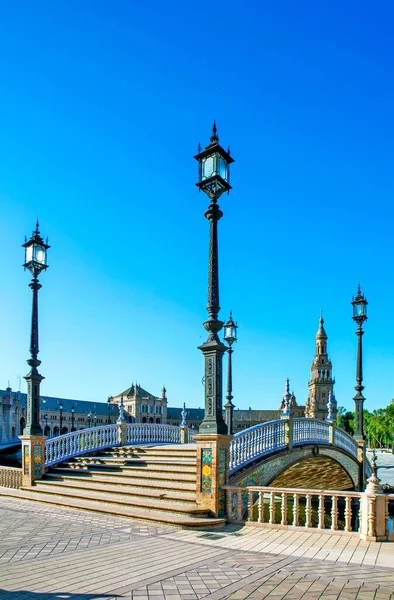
<point>317,466</point>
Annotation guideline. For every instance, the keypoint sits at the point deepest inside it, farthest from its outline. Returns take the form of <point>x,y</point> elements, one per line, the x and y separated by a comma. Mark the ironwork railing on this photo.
<point>79,442</point>
<point>248,445</point>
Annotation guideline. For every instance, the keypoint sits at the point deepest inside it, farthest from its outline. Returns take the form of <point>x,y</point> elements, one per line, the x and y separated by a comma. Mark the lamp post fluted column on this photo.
<point>214,164</point>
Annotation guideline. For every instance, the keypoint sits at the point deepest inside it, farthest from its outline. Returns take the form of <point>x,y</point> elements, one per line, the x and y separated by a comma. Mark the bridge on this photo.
<point>169,473</point>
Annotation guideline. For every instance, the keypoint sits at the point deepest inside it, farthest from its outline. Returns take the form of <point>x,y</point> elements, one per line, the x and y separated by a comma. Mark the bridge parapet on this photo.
<point>272,436</point>
<point>80,442</point>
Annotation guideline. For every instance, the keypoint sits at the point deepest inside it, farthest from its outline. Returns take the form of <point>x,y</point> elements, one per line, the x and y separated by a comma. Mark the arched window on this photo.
<point>56,431</point>
<point>47,430</point>
<point>150,419</point>
<point>64,430</point>
<point>144,419</point>
<point>157,420</point>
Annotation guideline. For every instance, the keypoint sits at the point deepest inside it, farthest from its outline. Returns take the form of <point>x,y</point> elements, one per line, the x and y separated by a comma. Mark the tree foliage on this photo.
<point>378,425</point>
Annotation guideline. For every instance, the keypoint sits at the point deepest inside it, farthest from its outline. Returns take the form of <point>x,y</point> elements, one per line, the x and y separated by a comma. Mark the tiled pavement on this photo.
<point>48,553</point>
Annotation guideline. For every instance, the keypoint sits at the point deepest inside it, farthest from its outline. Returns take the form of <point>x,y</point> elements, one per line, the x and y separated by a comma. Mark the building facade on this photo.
<point>142,406</point>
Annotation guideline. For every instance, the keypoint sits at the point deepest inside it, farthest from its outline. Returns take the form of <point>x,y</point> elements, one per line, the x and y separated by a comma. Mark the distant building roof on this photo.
<point>192,413</point>
<point>47,403</point>
<point>255,415</point>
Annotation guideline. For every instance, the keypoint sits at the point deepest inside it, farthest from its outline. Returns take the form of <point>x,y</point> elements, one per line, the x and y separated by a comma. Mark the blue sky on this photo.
<point>102,106</point>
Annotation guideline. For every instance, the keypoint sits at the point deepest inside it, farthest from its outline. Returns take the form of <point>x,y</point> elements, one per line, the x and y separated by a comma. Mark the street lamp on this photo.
<point>110,398</point>
<point>35,262</point>
<point>89,418</point>
<point>72,418</point>
<point>230,335</point>
<point>46,423</point>
<point>61,417</point>
<point>359,304</point>
<point>94,420</point>
<point>213,179</point>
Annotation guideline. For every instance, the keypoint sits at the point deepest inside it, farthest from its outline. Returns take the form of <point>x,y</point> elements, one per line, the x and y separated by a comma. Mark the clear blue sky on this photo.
<point>102,105</point>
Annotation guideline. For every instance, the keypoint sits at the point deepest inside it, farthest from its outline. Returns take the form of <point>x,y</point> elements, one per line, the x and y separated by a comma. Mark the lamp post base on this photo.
<point>212,472</point>
<point>33,458</point>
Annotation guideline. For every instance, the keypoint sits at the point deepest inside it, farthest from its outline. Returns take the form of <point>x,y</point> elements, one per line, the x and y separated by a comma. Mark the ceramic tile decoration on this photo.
<point>206,471</point>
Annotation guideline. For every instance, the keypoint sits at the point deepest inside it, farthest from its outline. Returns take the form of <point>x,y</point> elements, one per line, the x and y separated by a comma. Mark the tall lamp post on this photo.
<point>214,179</point>
<point>46,423</point>
<point>230,335</point>
<point>61,417</point>
<point>35,262</point>
<point>359,304</point>
<point>89,418</point>
<point>109,409</point>
<point>72,418</point>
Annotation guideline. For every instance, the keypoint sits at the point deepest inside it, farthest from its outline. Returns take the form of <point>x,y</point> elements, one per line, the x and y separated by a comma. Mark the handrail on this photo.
<point>252,443</point>
<point>79,442</point>
<point>152,432</point>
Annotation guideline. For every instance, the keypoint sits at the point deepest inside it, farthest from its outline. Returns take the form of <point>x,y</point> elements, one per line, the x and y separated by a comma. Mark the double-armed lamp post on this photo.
<point>214,179</point>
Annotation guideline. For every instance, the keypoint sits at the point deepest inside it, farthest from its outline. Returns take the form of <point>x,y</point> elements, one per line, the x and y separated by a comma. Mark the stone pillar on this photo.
<point>212,472</point>
<point>122,432</point>
<point>288,418</point>
<point>331,432</point>
<point>33,458</point>
<point>184,434</point>
<point>361,457</point>
<point>374,510</point>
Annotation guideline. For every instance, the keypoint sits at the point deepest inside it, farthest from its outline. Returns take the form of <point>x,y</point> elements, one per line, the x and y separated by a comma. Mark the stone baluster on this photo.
<point>250,506</point>
<point>239,505</point>
<point>229,504</point>
<point>284,509</point>
<point>296,510</point>
<point>308,511</point>
<point>334,513</point>
<point>261,507</point>
<point>272,508</point>
<point>348,513</point>
<point>321,512</point>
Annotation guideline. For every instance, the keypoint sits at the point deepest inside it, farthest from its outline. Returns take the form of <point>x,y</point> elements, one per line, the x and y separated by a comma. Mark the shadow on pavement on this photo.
<point>27,595</point>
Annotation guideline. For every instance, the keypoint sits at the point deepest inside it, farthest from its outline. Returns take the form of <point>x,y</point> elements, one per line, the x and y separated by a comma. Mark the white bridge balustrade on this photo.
<point>142,433</point>
<point>80,442</point>
<point>251,444</point>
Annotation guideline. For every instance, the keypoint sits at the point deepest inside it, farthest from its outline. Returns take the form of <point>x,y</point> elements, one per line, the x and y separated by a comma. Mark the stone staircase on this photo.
<point>153,483</point>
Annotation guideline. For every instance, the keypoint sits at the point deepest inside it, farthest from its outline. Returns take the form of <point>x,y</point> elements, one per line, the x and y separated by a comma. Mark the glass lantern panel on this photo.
<point>222,168</point>
<point>359,310</point>
<point>29,253</point>
<point>208,167</point>
<point>39,254</point>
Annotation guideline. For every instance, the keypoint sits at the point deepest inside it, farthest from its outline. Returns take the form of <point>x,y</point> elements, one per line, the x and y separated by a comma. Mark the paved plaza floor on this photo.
<point>50,553</point>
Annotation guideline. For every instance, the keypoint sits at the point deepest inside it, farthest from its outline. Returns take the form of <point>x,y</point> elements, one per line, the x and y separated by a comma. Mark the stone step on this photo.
<point>103,496</point>
<point>103,477</point>
<point>126,472</point>
<point>114,488</point>
<point>175,519</point>
<point>126,465</point>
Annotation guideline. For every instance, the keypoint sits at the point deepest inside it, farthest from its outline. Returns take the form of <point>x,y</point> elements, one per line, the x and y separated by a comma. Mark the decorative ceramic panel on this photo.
<point>37,453</point>
<point>206,470</point>
<point>26,460</point>
<point>221,482</point>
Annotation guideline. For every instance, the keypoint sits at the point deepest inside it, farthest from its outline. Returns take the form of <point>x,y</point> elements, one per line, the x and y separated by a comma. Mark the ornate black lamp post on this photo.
<point>230,335</point>
<point>214,177</point>
<point>46,423</point>
<point>94,420</point>
<point>72,418</point>
<point>109,409</point>
<point>359,304</point>
<point>35,262</point>
<point>61,417</point>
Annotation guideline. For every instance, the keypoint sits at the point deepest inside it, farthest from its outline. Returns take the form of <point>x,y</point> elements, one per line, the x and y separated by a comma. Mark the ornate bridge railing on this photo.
<point>147,432</point>
<point>107,436</point>
<point>79,442</point>
<point>256,441</point>
<point>266,438</point>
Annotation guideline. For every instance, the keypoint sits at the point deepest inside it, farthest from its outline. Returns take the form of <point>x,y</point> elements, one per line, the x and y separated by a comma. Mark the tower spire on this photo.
<point>321,382</point>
